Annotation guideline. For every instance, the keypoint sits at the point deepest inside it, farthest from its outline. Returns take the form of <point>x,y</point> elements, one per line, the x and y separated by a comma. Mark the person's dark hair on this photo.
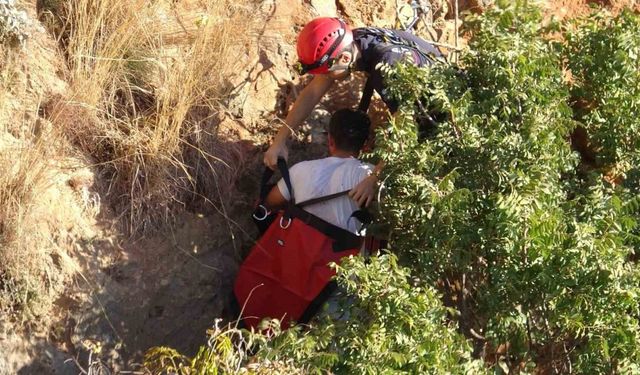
<point>349,129</point>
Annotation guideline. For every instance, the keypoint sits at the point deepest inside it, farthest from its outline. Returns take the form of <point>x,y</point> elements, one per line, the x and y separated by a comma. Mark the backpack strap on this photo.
<point>309,202</point>
<point>266,177</point>
<point>362,215</point>
<point>367,94</point>
<point>284,171</point>
<point>343,239</point>
<point>264,183</point>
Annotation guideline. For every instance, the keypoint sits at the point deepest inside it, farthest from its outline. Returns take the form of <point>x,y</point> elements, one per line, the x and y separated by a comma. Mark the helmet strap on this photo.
<point>350,65</point>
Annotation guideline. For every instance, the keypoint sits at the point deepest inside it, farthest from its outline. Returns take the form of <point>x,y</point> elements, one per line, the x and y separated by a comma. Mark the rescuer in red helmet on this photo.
<point>329,49</point>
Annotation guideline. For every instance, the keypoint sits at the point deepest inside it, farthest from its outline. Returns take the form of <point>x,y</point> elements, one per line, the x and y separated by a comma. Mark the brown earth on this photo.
<point>563,9</point>
<point>127,294</point>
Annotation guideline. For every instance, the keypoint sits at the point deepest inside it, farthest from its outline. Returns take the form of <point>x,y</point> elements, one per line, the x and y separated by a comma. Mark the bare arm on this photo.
<point>309,97</point>
<point>365,192</point>
<point>275,199</point>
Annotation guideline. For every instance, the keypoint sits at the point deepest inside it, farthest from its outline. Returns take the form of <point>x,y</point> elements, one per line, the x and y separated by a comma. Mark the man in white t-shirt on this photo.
<point>341,171</point>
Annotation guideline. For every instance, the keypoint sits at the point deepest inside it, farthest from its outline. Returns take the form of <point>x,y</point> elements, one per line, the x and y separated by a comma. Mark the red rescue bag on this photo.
<point>287,274</point>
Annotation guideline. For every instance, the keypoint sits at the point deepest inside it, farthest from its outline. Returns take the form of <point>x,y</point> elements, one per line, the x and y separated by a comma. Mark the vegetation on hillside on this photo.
<point>13,24</point>
<point>513,225</point>
<point>603,58</point>
<point>534,253</point>
<point>496,215</point>
<point>28,284</point>
<point>145,110</point>
<point>143,104</point>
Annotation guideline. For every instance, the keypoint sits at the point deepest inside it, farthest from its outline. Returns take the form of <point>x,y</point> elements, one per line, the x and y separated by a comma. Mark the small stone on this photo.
<point>81,180</point>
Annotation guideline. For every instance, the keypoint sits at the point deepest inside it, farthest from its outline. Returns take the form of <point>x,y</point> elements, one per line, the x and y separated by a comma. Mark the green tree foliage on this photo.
<point>387,325</point>
<point>492,206</point>
<point>603,53</point>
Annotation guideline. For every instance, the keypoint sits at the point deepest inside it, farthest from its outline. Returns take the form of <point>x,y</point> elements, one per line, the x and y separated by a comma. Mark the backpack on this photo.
<point>388,40</point>
<point>287,274</point>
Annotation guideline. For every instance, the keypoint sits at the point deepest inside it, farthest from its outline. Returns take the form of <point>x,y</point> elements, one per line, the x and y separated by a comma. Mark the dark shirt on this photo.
<point>376,46</point>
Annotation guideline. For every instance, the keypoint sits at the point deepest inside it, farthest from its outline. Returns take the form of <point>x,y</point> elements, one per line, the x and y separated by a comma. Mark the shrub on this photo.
<point>603,53</point>
<point>492,207</point>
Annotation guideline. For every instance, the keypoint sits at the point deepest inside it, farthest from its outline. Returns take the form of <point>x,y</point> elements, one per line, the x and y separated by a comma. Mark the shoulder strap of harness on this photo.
<point>362,215</point>
<point>309,202</point>
<point>390,38</point>
<point>367,94</point>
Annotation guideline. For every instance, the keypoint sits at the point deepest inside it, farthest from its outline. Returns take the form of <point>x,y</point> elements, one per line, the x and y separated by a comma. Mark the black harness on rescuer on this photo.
<point>379,45</point>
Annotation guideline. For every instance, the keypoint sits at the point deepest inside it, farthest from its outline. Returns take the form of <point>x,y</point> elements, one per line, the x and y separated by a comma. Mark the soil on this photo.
<point>127,294</point>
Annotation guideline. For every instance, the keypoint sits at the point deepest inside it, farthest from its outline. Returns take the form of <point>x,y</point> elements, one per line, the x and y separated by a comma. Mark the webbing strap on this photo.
<point>362,215</point>
<point>284,171</point>
<point>264,183</point>
<point>367,94</point>
<point>309,202</point>
<point>343,239</point>
<point>268,173</point>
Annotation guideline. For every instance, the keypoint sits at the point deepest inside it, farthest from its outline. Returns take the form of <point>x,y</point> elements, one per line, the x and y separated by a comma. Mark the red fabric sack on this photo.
<point>288,268</point>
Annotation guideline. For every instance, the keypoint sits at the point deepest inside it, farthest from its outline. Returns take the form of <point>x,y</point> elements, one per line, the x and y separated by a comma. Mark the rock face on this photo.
<point>257,90</point>
<point>324,8</point>
<point>360,13</point>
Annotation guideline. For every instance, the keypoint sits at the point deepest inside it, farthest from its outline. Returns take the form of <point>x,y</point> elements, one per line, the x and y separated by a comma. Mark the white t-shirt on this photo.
<point>317,178</point>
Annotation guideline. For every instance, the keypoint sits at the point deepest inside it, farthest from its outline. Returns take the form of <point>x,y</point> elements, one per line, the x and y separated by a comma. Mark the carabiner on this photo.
<point>288,223</point>
<point>266,213</point>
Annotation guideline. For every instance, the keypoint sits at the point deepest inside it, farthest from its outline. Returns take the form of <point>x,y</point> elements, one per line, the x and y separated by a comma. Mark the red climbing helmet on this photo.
<point>319,44</point>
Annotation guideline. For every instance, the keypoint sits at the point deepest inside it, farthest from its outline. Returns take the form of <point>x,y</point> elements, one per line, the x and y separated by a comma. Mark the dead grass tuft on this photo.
<point>147,112</point>
<point>28,280</point>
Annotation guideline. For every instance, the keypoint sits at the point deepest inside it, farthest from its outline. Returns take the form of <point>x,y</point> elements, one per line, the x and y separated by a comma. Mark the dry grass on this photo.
<point>27,278</point>
<point>30,277</point>
<point>147,112</point>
